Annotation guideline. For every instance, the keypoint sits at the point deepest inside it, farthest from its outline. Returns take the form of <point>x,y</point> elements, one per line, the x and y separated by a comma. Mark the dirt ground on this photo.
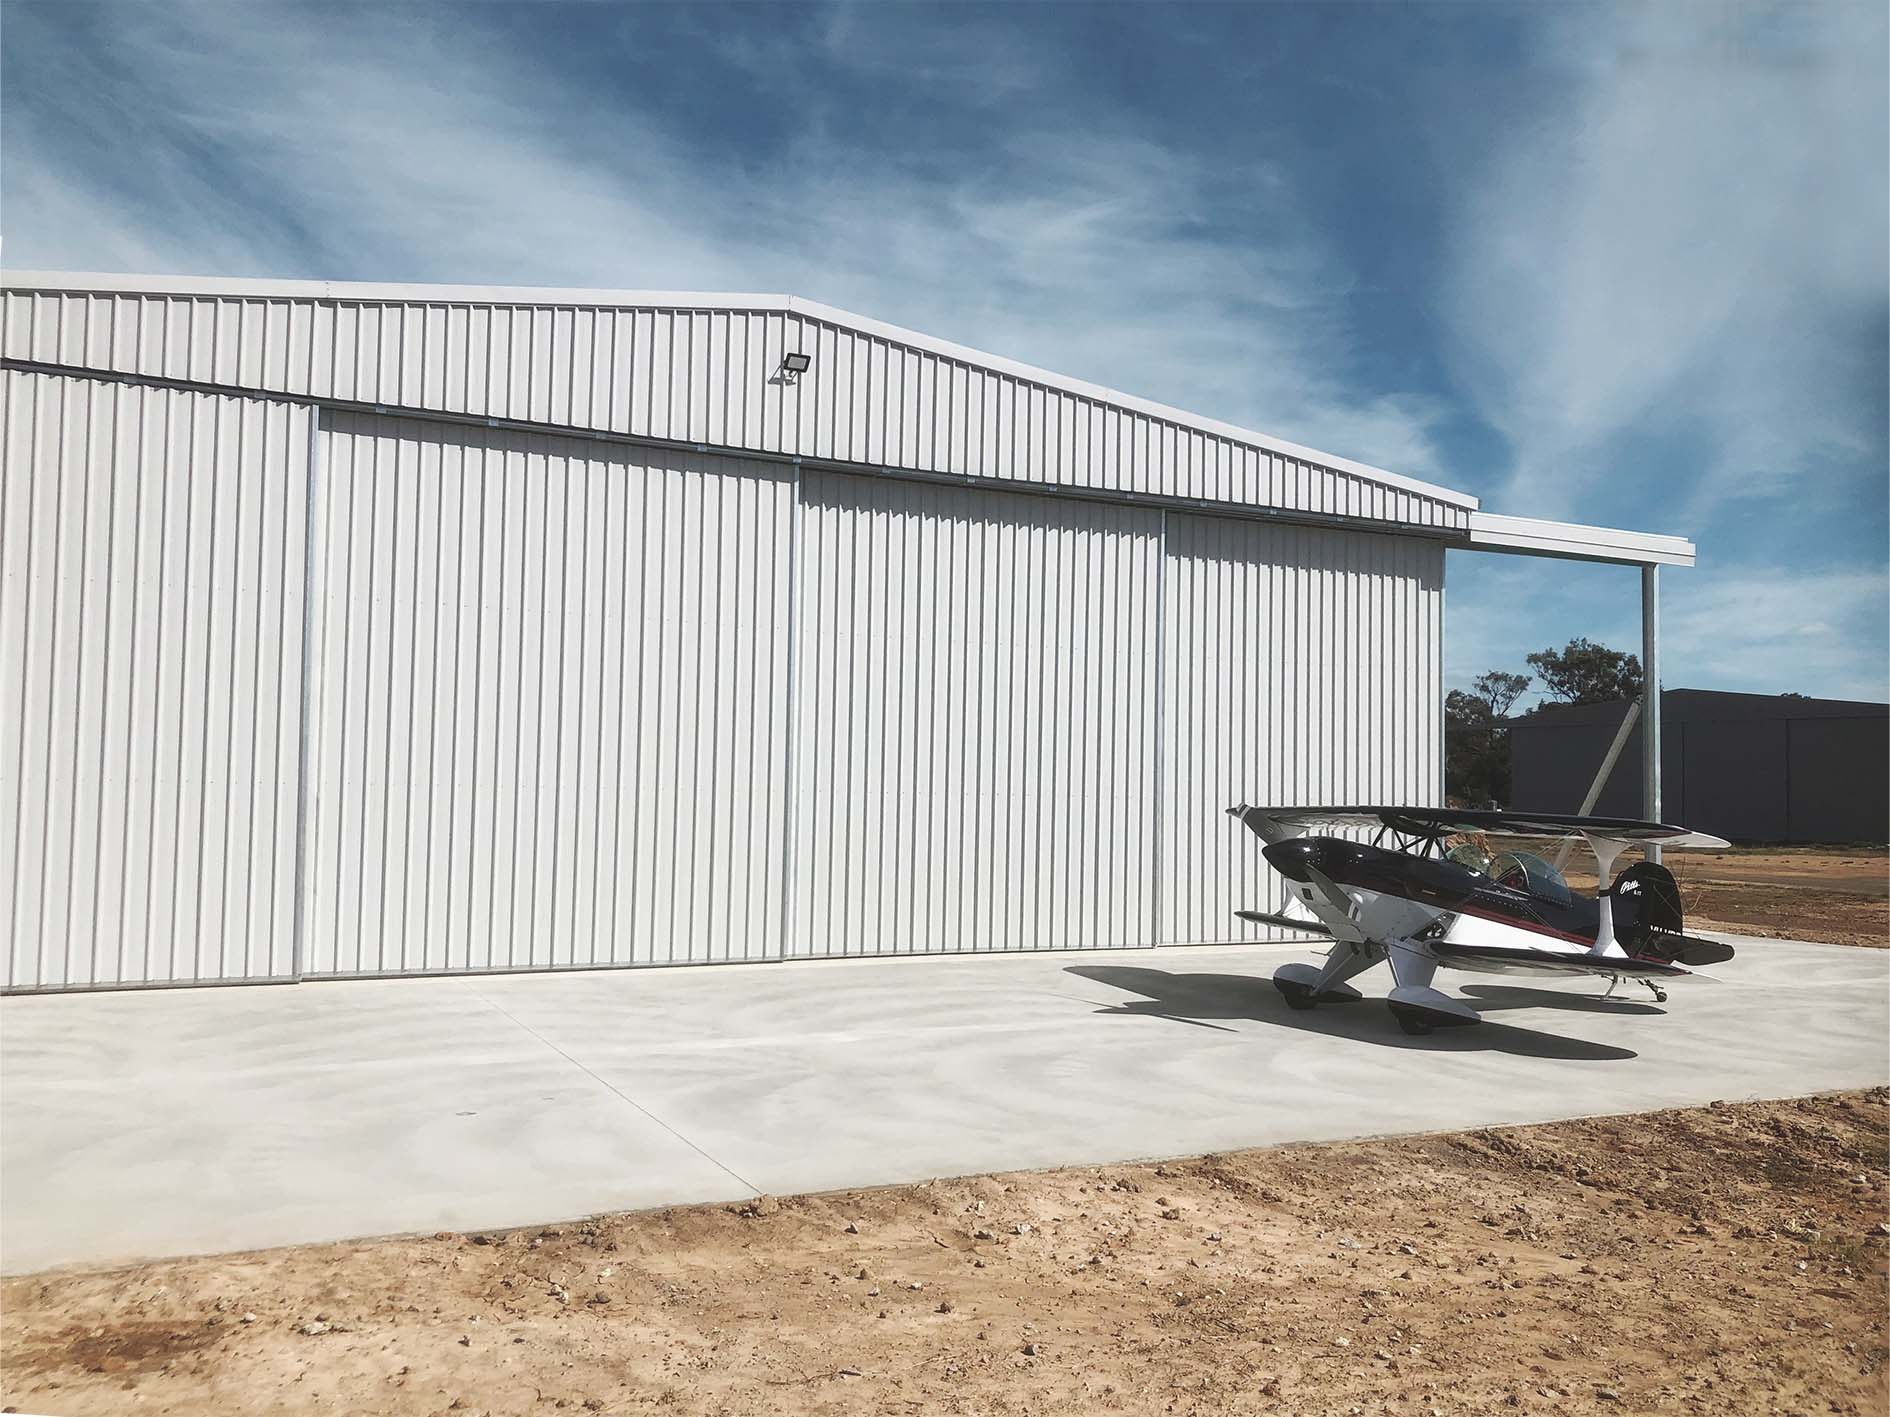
<point>1729,1259</point>
<point>1837,894</point>
<point>1801,893</point>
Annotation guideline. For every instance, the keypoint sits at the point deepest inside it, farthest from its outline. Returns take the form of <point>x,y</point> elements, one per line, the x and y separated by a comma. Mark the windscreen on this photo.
<point>1525,871</point>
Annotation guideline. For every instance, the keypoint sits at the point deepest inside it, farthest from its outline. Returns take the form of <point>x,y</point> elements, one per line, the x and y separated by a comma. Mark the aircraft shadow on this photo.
<point>1201,998</point>
<point>1485,998</point>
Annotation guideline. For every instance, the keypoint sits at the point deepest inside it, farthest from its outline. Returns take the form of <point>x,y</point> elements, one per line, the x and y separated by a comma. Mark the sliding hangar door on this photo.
<point>151,585</point>
<point>566,696</point>
<point>291,690</point>
<point>549,720</point>
<point>978,727</point>
<point>1022,717</point>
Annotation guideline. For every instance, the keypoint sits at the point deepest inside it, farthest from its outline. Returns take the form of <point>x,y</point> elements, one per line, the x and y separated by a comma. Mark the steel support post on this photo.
<point>1650,698</point>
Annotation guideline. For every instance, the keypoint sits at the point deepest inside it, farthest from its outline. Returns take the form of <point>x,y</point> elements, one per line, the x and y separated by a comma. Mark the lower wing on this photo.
<point>1285,922</point>
<point>1523,959</point>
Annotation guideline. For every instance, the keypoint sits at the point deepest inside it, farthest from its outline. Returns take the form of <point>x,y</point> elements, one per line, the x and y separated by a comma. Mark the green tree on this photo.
<point>1476,752</point>
<point>1587,673</point>
<point>1469,762</point>
<point>1500,690</point>
<point>1476,738</point>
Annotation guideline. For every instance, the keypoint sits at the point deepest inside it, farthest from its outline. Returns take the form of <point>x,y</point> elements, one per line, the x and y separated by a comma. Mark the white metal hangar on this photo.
<point>353,630</point>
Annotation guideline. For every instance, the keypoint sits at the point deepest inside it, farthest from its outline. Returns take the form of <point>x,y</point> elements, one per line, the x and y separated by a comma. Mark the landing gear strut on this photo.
<point>1614,982</point>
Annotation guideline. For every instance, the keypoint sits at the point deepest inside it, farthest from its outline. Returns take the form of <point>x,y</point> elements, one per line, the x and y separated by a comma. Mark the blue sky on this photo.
<point>1624,266</point>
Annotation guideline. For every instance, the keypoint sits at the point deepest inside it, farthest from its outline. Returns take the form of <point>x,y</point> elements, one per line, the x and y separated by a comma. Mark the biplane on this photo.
<point>1426,892</point>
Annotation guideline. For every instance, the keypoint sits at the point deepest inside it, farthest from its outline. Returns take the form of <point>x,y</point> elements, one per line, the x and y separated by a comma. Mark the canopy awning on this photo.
<point>1529,536</point>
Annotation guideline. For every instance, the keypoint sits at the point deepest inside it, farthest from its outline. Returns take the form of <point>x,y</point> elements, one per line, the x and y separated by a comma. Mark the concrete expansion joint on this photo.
<point>618,1092</point>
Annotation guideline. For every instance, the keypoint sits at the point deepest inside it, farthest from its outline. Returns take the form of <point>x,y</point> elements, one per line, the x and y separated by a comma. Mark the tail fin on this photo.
<point>1648,916</point>
<point>1648,897</point>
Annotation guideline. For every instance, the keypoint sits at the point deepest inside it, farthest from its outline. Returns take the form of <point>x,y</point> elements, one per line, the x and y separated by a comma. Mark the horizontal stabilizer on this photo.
<point>1285,922</point>
<point>1689,950</point>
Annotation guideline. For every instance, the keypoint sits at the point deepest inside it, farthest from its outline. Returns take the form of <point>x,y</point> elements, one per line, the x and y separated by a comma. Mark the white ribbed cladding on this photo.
<point>693,375</point>
<point>549,702</point>
<point>578,701</point>
<point>151,580</point>
<point>975,752</point>
<point>1303,666</point>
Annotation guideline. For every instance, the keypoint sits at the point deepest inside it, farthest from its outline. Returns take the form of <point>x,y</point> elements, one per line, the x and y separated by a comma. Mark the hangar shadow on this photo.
<point>1201,998</point>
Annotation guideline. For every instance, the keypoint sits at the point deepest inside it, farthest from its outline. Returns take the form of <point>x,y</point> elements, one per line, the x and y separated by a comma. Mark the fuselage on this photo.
<point>1467,919</point>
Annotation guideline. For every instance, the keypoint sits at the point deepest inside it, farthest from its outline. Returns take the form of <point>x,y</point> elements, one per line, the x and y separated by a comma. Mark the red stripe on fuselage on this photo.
<point>1533,927</point>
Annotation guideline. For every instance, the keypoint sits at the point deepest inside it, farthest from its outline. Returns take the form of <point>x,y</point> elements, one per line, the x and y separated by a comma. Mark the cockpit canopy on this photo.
<point>1519,870</point>
<point>1525,871</point>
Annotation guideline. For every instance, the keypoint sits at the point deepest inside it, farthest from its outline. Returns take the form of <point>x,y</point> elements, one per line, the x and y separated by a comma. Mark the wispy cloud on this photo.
<point>1673,254</point>
<point>1763,629</point>
<point>300,144</point>
<point>1771,629</point>
<point>1663,249</point>
<point>1504,607</point>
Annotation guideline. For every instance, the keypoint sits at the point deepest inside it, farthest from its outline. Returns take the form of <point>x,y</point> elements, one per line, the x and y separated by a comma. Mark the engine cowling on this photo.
<point>1443,885</point>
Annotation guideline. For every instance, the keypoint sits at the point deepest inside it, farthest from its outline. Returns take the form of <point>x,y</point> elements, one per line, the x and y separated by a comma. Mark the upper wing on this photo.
<point>1431,822</point>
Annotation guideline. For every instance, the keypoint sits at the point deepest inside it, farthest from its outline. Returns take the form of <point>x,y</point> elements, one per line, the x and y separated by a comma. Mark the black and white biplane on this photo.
<point>1406,898</point>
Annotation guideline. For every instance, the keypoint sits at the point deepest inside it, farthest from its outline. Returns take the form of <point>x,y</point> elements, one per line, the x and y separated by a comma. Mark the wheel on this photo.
<point>1297,996</point>
<point>1660,995</point>
<point>1412,1021</point>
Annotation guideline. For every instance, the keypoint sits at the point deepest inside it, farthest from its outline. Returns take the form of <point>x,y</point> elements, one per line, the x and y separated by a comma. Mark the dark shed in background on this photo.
<point>1749,767</point>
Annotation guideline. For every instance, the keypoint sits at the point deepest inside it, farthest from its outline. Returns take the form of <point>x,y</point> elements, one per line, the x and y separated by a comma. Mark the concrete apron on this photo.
<point>202,1120</point>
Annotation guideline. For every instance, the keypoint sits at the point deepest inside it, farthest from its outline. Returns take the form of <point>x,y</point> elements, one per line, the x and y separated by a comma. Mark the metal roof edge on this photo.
<point>1532,536</point>
<point>1702,706</point>
<point>420,291</point>
<point>551,295</point>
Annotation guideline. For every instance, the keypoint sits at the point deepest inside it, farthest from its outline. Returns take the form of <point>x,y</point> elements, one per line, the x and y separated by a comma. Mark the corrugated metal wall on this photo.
<point>975,754</point>
<point>151,581</point>
<point>551,713</point>
<point>1300,665</point>
<point>577,702</point>
<point>1748,767</point>
<point>692,375</point>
